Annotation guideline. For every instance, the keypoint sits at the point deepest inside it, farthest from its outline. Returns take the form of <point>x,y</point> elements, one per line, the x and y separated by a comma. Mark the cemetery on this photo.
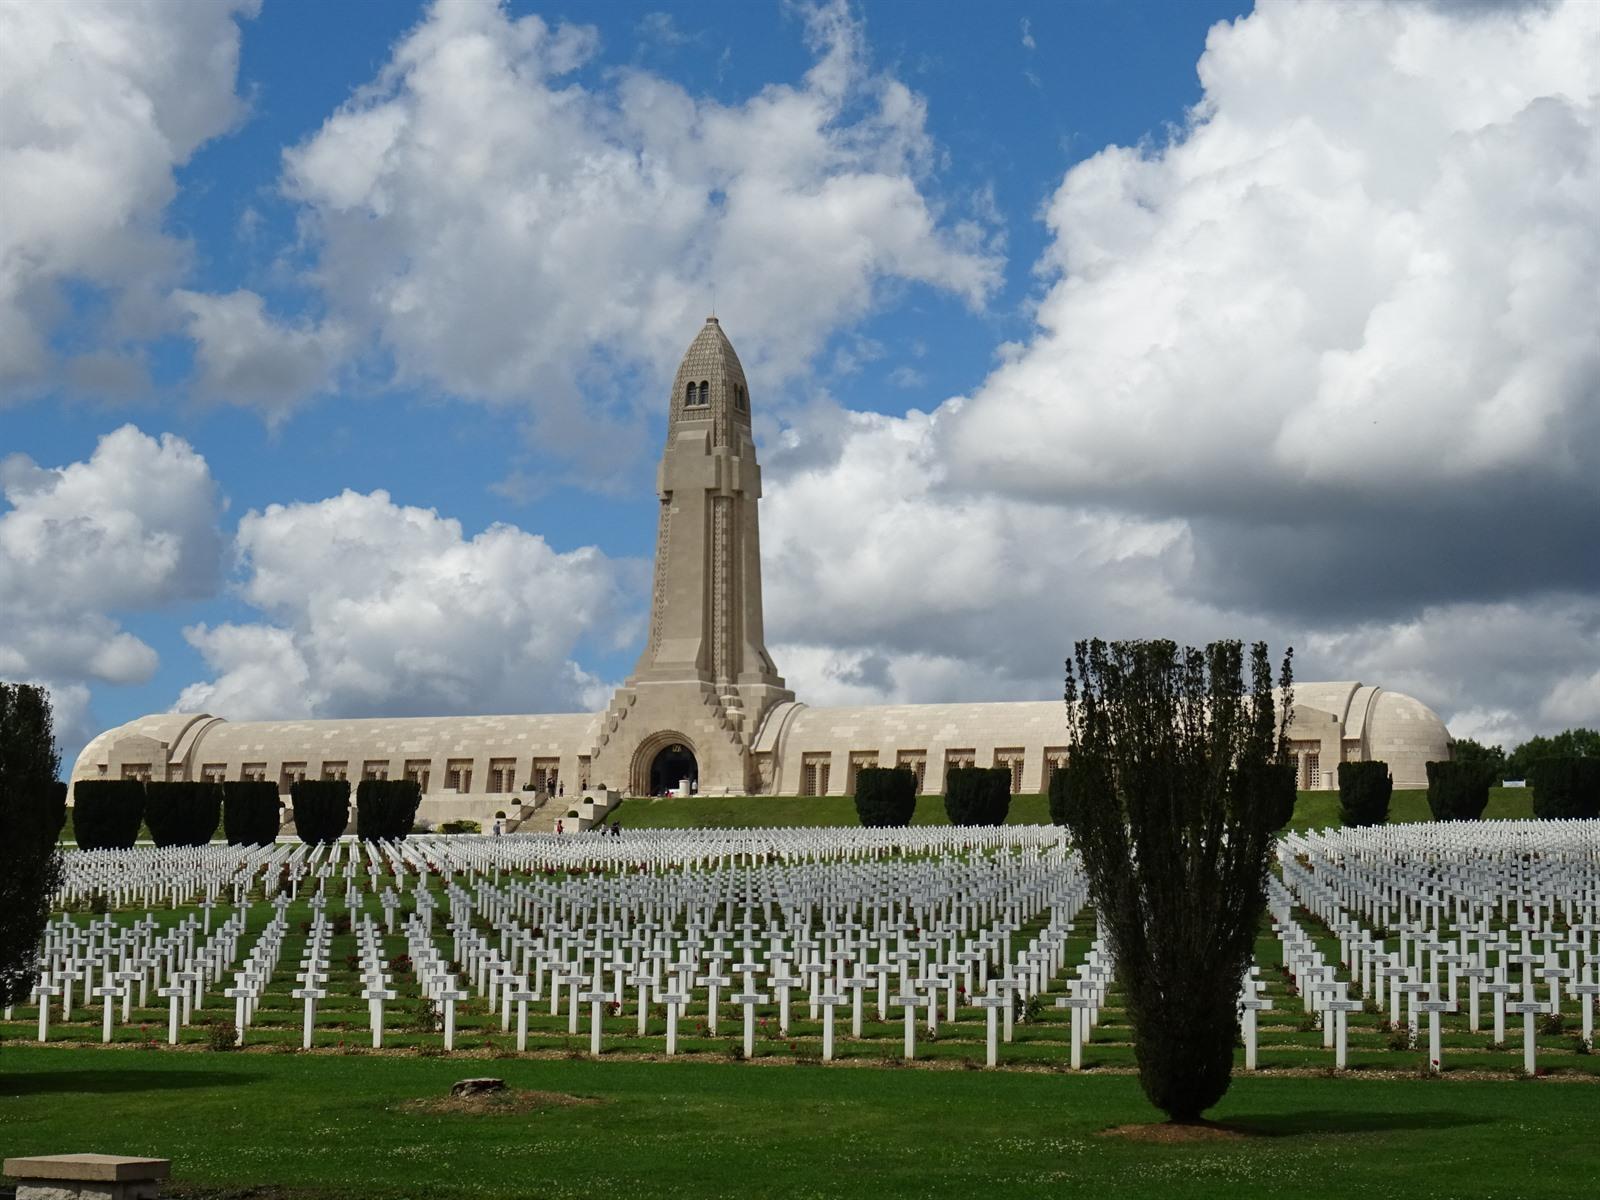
<point>1431,971</point>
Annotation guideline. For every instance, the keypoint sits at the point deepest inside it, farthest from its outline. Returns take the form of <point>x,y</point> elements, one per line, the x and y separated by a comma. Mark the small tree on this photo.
<point>1364,792</point>
<point>386,808</point>
<point>977,795</point>
<point>321,809</point>
<point>1565,787</point>
<point>1177,790</point>
<point>251,812</point>
<point>106,813</point>
<point>182,814</point>
<point>1457,791</point>
<point>32,811</point>
<point>886,796</point>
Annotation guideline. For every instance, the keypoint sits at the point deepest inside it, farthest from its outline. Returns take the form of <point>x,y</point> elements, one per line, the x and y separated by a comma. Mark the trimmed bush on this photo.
<point>1457,791</point>
<point>461,826</point>
<point>251,812</point>
<point>386,808</point>
<point>321,809</point>
<point>106,813</point>
<point>1364,791</point>
<point>886,796</point>
<point>1565,787</point>
<point>182,814</point>
<point>977,795</point>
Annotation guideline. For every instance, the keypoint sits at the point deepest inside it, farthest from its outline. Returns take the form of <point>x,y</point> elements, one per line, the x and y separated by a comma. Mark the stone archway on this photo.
<point>662,762</point>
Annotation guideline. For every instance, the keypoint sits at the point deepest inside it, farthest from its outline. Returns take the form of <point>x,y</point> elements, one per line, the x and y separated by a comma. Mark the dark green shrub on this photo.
<point>460,825</point>
<point>106,813</point>
<point>386,808</point>
<point>977,795</point>
<point>1565,787</point>
<point>1364,791</point>
<point>321,809</point>
<point>1457,791</point>
<point>886,796</point>
<point>30,874</point>
<point>1062,796</point>
<point>251,812</point>
<point>182,814</point>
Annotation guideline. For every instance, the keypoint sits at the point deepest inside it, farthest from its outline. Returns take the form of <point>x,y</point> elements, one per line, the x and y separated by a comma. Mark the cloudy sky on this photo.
<point>335,343</point>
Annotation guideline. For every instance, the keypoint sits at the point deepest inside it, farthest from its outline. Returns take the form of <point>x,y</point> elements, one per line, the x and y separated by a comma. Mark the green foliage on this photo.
<point>1573,743</point>
<point>106,813</point>
<point>1492,758</point>
<point>182,814</point>
<point>1062,796</point>
<point>30,874</point>
<point>386,808</point>
<point>886,796</point>
<point>321,809</point>
<point>1183,761</point>
<point>27,735</point>
<point>977,795</point>
<point>460,826</point>
<point>1457,791</point>
<point>1365,789</point>
<point>1565,787</point>
<point>251,812</point>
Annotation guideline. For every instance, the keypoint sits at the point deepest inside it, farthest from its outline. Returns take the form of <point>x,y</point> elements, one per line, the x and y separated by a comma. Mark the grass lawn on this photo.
<point>1313,810</point>
<point>338,1125</point>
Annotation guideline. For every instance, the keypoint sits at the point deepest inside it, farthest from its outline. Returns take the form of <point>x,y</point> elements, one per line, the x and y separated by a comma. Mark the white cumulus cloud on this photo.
<point>375,608</point>
<point>507,231</point>
<point>100,100</point>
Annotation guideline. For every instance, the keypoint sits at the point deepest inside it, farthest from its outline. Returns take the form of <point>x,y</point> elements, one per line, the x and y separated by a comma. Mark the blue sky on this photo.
<point>1040,349</point>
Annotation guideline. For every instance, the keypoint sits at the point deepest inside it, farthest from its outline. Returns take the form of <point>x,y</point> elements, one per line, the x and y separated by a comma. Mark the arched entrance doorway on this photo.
<point>672,764</point>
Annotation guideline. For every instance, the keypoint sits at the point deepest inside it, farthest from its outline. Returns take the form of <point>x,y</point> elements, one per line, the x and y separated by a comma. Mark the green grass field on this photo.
<point>336,1126</point>
<point>1313,810</point>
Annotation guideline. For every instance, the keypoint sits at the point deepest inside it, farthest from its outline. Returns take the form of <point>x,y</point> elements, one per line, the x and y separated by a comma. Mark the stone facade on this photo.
<point>705,702</point>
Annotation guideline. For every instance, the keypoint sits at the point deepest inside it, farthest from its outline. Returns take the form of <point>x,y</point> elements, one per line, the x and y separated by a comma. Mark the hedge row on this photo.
<point>386,808</point>
<point>182,814</point>
<point>321,809</point>
<point>1365,789</point>
<point>107,813</point>
<point>251,812</point>
<point>977,795</point>
<point>886,796</point>
<point>1458,791</point>
<point>1565,786</point>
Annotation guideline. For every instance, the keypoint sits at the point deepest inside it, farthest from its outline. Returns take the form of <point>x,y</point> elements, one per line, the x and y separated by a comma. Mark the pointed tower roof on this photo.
<point>710,357</point>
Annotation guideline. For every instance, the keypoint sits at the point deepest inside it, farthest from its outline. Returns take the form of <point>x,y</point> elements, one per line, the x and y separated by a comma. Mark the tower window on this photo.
<point>697,394</point>
<point>739,398</point>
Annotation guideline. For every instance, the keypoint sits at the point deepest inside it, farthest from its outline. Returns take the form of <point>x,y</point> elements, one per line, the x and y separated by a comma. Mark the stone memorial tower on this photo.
<point>696,699</point>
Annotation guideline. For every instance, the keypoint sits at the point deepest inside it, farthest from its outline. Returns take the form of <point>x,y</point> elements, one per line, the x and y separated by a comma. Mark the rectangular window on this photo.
<point>814,774</point>
<point>458,775</point>
<point>502,774</point>
<point>960,758</point>
<point>293,773</point>
<point>917,761</point>
<point>417,772</point>
<point>335,770</point>
<point>253,772</point>
<point>213,772</point>
<point>1314,770</point>
<point>136,771</point>
<point>1011,760</point>
<point>375,768</point>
